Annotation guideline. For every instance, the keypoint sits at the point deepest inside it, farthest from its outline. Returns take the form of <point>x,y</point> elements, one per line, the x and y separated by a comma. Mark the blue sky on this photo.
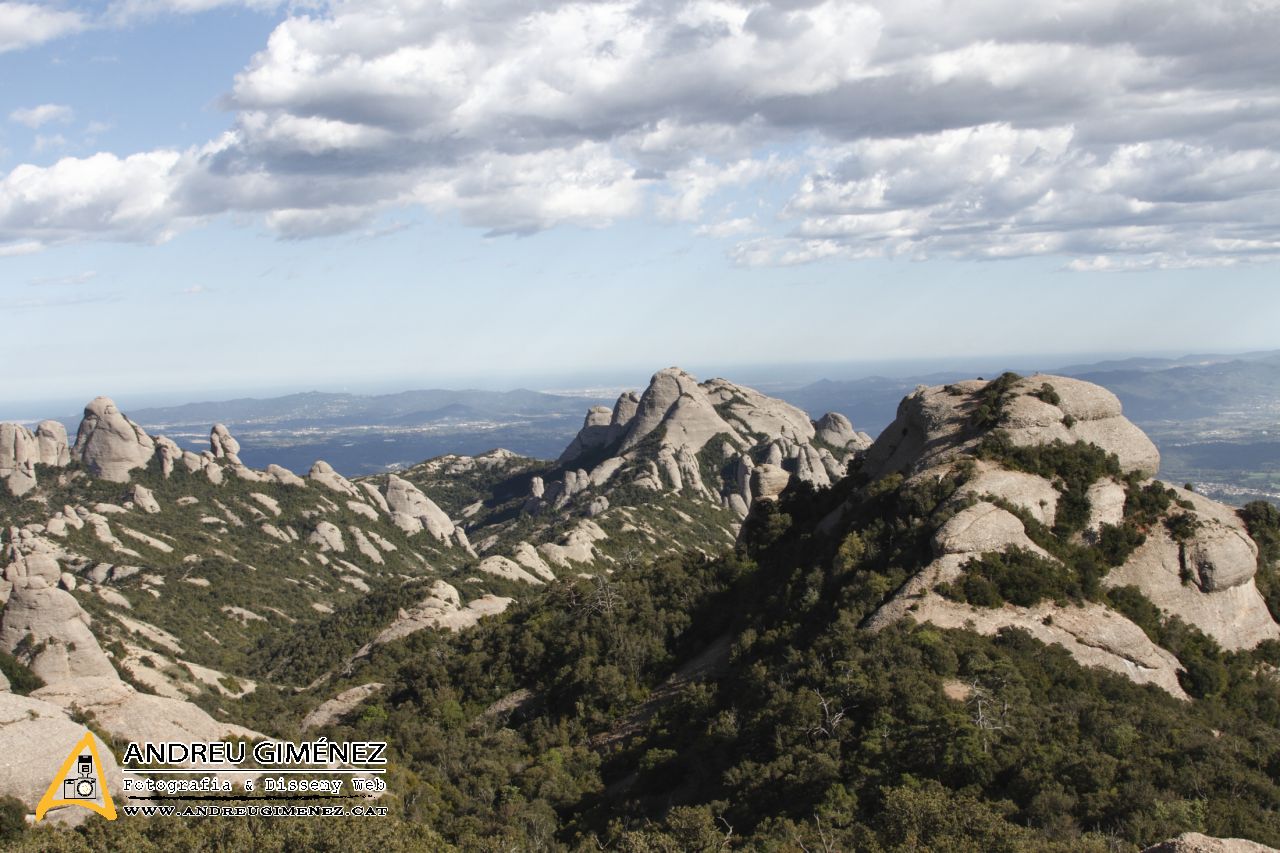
<point>202,196</point>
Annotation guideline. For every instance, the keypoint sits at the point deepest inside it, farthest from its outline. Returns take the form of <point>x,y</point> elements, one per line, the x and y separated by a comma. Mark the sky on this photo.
<point>230,196</point>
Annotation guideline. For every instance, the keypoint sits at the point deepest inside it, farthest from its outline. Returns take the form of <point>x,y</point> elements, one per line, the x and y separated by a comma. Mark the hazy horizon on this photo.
<point>764,377</point>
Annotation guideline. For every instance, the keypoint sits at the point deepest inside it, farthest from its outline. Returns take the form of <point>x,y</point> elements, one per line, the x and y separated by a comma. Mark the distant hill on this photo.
<point>316,408</point>
<point>1185,392</point>
<point>1150,389</point>
<point>1215,418</point>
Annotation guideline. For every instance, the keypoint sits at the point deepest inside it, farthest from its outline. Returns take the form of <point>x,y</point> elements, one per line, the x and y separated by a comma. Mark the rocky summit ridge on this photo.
<point>708,438</point>
<point>129,564</point>
<point>1017,451</point>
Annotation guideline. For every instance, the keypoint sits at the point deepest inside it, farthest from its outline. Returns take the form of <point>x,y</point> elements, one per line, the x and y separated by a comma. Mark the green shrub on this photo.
<point>1046,393</point>
<point>1019,577</point>
<point>21,679</point>
<point>993,400</point>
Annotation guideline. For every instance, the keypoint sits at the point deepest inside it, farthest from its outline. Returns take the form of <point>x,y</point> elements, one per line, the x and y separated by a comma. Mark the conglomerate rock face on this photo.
<point>108,444</point>
<point>662,439</point>
<point>935,425</point>
<point>1203,576</point>
<point>1194,842</point>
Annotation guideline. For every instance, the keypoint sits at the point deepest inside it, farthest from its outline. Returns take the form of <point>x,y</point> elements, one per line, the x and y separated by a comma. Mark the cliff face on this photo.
<point>1019,448</point>
<point>669,436</point>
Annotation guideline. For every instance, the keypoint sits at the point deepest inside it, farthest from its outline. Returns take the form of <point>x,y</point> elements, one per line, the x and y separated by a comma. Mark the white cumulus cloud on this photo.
<point>34,117</point>
<point>1118,136</point>
<point>28,24</point>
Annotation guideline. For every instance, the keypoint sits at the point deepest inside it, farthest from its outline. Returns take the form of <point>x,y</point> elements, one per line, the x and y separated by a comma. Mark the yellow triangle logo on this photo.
<point>80,781</point>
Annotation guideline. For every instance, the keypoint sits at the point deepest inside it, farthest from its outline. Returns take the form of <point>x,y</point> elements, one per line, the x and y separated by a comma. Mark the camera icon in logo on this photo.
<point>83,786</point>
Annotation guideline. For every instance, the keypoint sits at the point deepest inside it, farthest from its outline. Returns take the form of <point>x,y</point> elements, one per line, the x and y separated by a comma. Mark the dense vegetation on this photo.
<point>736,703</point>
<point>1263,521</point>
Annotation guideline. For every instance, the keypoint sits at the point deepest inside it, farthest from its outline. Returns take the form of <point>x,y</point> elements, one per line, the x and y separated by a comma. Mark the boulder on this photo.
<point>128,715</point>
<point>507,569</point>
<point>332,710</point>
<point>222,444</point>
<point>19,453</point>
<point>1035,495</point>
<point>412,511</point>
<point>52,447</point>
<point>768,481</point>
<point>144,500</point>
<point>108,444</point>
<point>1194,842</point>
<point>327,537</point>
<point>322,472</point>
<point>441,608</point>
<point>364,546</point>
<point>576,546</point>
<point>1221,553</point>
<point>624,410</point>
<point>284,476</point>
<point>1235,616</point>
<point>528,557</point>
<point>597,431</point>
<point>835,429</point>
<point>981,528</point>
<point>35,738</point>
<point>45,627</point>
<point>169,453</point>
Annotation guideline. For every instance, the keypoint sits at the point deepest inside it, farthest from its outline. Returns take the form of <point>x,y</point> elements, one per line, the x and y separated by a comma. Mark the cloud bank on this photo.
<point>1119,135</point>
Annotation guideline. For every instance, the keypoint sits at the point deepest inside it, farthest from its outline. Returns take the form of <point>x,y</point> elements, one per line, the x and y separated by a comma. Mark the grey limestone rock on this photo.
<point>322,472</point>
<point>327,537</point>
<point>1194,842</point>
<point>936,425</point>
<point>19,453</point>
<point>110,445</point>
<point>144,499</point>
<point>61,646</point>
<point>35,737</point>
<point>53,449</point>
<point>223,444</point>
<point>412,511</point>
<point>835,429</point>
<point>768,481</point>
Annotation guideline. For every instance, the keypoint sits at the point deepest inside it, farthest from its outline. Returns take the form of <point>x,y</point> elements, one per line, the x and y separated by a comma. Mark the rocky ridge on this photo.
<point>704,438</point>
<point>1198,567</point>
<point>130,564</point>
<point>673,468</point>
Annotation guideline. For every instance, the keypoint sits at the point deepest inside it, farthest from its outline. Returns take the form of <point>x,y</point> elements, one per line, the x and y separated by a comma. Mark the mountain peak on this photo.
<point>678,428</point>
<point>935,424</point>
<point>1030,501</point>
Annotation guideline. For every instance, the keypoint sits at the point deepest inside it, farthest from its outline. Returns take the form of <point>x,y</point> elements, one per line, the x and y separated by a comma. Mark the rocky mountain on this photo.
<point>705,589</point>
<point>671,469</point>
<point>366,434</point>
<point>1019,452</point>
<point>1213,417</point>
<point>139,577</point>
<point>998,632</point>
<point>142,577</point>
